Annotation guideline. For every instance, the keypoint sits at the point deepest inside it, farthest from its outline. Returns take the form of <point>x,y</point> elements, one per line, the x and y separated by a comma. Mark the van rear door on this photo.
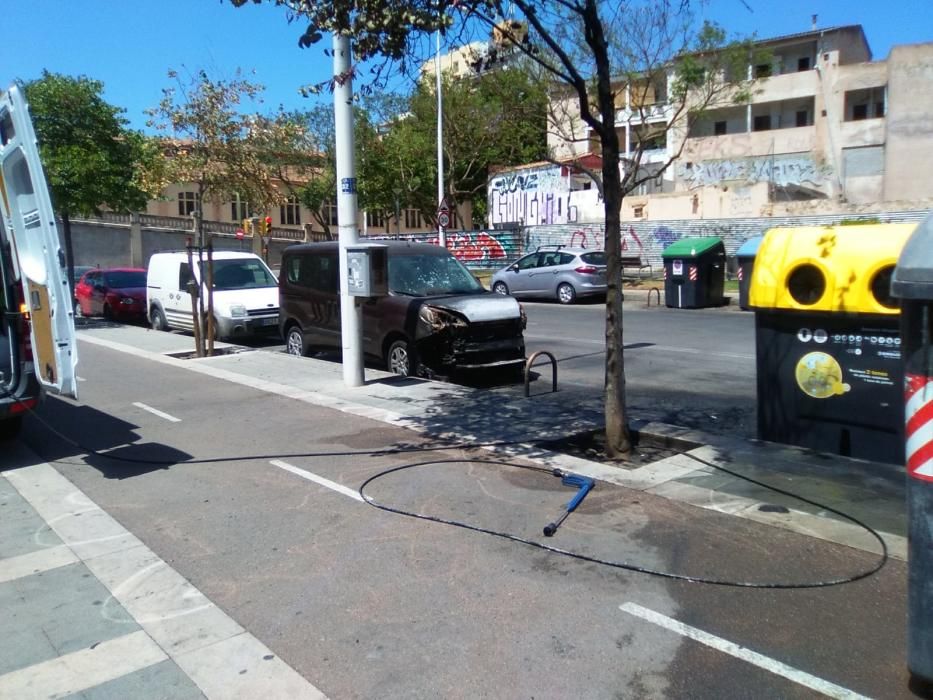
<point>37,256</point>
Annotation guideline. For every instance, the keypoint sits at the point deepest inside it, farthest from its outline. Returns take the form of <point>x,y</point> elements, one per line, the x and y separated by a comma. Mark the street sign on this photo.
<point>240,233</point>
<point>443,214</point>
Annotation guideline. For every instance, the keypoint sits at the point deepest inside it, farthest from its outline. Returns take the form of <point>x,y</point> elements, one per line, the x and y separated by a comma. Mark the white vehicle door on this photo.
<point>38,259</point>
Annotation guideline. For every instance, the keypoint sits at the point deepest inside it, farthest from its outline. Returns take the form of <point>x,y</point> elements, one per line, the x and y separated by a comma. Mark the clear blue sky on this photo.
<point>130,44</point>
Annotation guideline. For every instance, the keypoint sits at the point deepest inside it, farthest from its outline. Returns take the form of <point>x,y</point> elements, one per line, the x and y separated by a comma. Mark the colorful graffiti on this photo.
<point>478,247</point>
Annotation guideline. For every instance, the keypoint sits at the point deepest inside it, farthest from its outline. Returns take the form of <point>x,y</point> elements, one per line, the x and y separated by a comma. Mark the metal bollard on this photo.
<point>912,281</point>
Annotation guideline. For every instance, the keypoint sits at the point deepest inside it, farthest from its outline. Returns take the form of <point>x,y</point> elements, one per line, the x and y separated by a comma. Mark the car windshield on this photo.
<point>125,279</point>
<point>241,274</point>
<point>427,275</point>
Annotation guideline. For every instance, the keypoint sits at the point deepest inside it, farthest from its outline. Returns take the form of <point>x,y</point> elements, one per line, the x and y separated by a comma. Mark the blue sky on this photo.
<point>130,45</point>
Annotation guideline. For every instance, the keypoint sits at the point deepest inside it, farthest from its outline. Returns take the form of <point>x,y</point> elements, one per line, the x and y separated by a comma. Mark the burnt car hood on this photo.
<point>478,308</point>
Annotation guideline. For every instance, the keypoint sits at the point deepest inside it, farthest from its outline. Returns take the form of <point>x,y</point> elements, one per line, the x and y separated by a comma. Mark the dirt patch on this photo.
<point>647,448</point>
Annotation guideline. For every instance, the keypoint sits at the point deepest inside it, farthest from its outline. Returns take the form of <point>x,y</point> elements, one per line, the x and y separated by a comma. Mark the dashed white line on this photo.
<point>157,412</point>
<point>768,664</point>
<point>320,480</point>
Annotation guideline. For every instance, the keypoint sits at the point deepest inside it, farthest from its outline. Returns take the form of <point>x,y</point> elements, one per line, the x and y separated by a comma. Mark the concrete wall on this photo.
<point>909,143</point>
<point>649,238</point>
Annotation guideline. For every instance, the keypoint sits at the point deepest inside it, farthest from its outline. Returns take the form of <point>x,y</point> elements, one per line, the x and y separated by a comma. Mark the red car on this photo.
<point>117,294</point>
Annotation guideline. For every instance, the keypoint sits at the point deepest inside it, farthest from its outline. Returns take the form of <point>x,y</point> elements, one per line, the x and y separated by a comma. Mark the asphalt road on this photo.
<point>367,604</point>
<point>692,368</point>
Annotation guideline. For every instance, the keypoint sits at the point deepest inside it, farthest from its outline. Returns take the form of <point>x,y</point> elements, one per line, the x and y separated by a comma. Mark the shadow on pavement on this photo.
<point>60,429</point>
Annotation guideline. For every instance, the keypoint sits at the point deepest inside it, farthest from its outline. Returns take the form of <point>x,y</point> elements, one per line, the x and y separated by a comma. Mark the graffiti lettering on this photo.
<point>476,246</point>
<point>782,170</point>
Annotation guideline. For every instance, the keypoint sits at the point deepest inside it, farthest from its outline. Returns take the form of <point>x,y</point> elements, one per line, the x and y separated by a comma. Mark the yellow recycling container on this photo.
<point>828,348</point>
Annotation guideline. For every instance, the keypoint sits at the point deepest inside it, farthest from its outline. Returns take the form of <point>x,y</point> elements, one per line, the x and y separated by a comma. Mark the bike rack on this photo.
<point>656,291</point>
<point>530,361</point>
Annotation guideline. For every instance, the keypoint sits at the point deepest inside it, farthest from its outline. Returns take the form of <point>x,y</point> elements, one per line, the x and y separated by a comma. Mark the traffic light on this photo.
<point>246,227</point>
<point>268,225</point>
<point>265,226</point>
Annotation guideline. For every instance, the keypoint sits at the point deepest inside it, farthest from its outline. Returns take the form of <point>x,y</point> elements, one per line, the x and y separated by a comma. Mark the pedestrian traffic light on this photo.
<point>246,227</point>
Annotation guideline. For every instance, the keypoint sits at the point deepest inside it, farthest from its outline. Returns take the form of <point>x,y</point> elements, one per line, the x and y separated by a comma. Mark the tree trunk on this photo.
<point>618,439</point>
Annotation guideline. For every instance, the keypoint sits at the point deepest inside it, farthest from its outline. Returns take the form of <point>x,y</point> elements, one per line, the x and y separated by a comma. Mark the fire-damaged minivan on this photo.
<point>437,318</point>
<point>37,338</point>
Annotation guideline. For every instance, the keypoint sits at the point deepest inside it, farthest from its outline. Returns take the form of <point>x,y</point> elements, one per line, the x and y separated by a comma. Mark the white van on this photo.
<point>246,294</point>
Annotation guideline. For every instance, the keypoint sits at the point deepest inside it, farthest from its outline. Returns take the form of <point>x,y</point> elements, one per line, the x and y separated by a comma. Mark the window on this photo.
<point>239,210</point>
<point>375,219</point>
<point>290,212</point>
<point>314,271</point>
<point>413,219</point>
<point>184,275</point>
<point>803,118</point>
<point>329,213</point>
<point>762,123</point>
<point>763,70</point>
<point>803,64</point>
<point>187,203</point>
<point>719,128</point>
<point>867,103</point>
<point>638,212</point>
<point>528,262</point>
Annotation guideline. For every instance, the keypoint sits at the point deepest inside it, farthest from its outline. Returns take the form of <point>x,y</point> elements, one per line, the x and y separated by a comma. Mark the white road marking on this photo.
<point>157,412</point>
<point>178,621</point>
<point>83,669</point>
<point>768,664</point>
<point>32,563</point>
<point>320,480</point>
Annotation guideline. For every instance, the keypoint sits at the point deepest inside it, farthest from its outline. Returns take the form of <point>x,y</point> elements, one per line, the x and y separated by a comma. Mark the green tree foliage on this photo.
<point>598,54</point>
<point>92,160</point>
<point>491,120</point>
<point>225,152</point>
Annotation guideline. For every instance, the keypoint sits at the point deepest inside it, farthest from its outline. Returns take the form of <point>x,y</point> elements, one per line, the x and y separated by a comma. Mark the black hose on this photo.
<point>505,535</point>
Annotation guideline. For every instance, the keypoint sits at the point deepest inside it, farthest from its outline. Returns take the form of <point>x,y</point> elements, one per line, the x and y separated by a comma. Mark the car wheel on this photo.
<point>399,359</point>
<point>158,320</point>
<point>500,288</point>
<point>566,294</point>
<point>295,342</point>
<point>10,427</point>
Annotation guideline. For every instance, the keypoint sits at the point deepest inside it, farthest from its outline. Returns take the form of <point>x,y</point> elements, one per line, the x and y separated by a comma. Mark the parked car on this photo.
<point>555,272</point>
<point>117,294</point>
<point>437,317</point>
<point>79,271</point>
<point>37,339</point>
<point>246,294</point>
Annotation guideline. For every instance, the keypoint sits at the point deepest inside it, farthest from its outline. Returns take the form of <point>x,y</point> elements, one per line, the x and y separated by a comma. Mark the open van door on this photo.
<point>38,260</point>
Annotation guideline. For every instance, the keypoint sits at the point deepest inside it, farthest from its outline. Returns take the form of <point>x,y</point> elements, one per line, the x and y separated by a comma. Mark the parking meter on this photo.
<point>367,270</point>
<point>912,282</point>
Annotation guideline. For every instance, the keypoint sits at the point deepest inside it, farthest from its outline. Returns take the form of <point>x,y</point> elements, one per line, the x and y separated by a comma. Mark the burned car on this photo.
<point>436,319</point>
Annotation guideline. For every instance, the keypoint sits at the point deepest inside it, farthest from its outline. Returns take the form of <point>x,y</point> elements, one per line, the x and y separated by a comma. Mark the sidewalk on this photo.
<point>91,612</point>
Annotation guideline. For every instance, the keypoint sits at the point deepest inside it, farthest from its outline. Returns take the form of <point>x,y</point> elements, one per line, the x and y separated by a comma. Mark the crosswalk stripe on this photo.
<point>83,669</point>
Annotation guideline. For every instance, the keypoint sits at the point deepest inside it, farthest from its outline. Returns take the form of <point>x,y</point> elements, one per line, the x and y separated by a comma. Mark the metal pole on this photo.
<point>351,322</point>
<point>441,232</point>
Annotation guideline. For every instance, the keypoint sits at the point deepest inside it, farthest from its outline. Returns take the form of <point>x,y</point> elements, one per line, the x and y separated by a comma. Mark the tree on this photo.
<point>91,159</point>
<point>596,52</point>
<point>492,119</point>
<point>225,153</point>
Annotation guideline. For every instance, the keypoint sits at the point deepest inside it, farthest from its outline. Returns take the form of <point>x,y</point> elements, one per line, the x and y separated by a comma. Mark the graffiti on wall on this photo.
<point>780,170</point>
<point>480,247</point>
<point>533,197</point>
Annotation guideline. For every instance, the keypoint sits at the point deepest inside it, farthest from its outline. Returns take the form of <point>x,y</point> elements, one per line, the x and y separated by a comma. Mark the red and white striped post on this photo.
<point>912,282</point>
<point>918,398</point>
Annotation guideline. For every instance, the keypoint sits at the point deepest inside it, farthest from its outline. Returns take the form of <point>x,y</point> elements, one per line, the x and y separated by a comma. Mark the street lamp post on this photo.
<point>441,231</point>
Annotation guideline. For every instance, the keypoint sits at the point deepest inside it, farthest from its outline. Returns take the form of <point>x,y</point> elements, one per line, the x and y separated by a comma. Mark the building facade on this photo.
<point>826,130</point>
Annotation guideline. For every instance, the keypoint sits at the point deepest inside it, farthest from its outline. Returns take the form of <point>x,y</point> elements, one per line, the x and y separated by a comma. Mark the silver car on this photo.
<point>554,272</point>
